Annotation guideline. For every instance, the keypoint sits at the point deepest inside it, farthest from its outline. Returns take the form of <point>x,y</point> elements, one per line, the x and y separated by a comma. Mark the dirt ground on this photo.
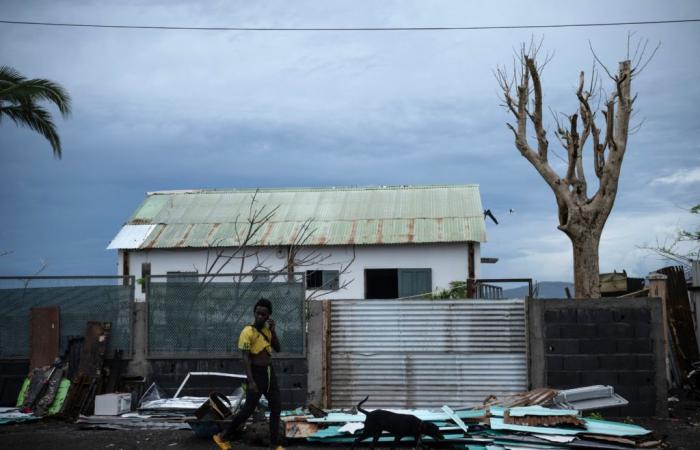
<point>681,431</point>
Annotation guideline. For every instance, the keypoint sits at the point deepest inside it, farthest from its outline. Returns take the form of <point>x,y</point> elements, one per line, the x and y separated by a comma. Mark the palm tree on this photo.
<point>19,99</point>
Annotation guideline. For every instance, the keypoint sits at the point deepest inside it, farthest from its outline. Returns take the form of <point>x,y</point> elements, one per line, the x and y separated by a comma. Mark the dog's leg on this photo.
<point>359,439</point>
<point>375,439</point>
<point>396,441</point>
<point>419,442</point>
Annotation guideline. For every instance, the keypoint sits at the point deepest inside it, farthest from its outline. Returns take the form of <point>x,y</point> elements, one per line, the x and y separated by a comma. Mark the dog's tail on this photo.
<point>359,406</point>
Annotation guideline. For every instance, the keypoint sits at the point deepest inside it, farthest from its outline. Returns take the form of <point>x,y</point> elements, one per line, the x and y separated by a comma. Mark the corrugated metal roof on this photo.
<point>341,216</point>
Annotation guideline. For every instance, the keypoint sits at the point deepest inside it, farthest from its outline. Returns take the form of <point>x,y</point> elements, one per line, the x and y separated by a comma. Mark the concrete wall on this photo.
<point>316,354</point>
<point>616,342</point>
<point>447,261</point>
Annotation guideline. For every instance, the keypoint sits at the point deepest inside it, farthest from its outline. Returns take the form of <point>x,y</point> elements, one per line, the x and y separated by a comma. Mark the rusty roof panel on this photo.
<point>341,216</point>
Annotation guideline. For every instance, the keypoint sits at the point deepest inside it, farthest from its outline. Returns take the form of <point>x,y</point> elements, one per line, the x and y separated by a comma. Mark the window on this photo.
<point>261,275</point>
<point>145,276</point>
<point>397,283</point>
<point>328,280</point>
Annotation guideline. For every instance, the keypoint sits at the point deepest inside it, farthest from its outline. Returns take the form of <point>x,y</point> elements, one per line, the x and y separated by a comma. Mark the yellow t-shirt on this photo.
<point>253,340</point>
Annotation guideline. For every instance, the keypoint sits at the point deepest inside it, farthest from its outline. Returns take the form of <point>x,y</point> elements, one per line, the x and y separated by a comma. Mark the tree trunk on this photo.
<point>586,270</point>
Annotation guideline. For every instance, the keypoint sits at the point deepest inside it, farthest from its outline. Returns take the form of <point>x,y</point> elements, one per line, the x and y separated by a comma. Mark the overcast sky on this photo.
<point>157,109</point>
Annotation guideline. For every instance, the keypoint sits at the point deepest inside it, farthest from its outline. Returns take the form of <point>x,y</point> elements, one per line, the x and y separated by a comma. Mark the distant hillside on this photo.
<point>546,289</point>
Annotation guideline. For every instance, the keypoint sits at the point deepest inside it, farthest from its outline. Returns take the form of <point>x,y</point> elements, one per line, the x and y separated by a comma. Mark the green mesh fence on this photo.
<point>208,317</point>
<point>77,305</point>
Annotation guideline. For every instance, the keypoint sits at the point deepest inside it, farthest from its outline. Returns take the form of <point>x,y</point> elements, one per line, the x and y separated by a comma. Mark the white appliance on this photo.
<point>112,404</point>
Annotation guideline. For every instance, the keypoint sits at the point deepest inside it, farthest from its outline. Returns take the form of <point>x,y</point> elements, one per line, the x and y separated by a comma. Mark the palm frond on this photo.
<point>19,99</point>
<point>37,90</point>
<point>10,75</point>
<point>36,118</point>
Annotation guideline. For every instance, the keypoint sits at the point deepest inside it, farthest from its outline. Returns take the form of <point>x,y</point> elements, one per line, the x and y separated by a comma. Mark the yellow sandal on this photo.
<point>221,442</point>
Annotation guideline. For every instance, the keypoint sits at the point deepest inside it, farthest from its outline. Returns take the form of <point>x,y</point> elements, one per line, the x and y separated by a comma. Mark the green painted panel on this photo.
<point>415,282</point>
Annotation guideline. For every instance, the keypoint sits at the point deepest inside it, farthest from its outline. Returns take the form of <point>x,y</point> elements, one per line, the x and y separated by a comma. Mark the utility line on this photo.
<point>494,27</point>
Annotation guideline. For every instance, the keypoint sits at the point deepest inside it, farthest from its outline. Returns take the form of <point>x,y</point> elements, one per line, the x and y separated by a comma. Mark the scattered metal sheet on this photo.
<point>538,415</point>
<point>455,418</point>
<point>316,411</point>
<point>589,398</point>
<point>523,438</point>
<point>153,401</point>
<point>548,421</point>
<point>538,396</point>
<point>497,423</point>
<point>299,429</point>
<point>351,427</point>
<point>131,422</point>
<point>522,411</point>
<point>609,428</point>
<point>183,406</point>
<point>211,374</point>
<point>613,439</point>
<point>525,447</point>
<point>592,426</point>
<point>554,438</point>
<point>14,415</point>
<point>582,443</point>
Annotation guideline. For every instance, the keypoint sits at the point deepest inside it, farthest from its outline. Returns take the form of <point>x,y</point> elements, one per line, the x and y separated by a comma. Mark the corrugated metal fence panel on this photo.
<point>426,353</point>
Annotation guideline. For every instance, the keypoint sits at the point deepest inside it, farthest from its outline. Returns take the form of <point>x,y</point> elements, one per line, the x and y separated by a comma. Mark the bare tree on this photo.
<point>581,216</point>
<point>247,248</point>
<point>683,248</point>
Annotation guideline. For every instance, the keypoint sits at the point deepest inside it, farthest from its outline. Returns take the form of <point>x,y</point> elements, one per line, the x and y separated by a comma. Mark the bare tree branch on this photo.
<point>599,61</point>
<point>638,70</point>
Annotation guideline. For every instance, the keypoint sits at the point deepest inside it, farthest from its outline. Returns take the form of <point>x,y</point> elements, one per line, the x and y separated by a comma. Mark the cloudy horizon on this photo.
<point>165,109</point>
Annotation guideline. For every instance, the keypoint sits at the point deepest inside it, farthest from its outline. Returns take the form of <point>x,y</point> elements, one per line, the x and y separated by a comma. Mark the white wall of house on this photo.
<point>448,262</point>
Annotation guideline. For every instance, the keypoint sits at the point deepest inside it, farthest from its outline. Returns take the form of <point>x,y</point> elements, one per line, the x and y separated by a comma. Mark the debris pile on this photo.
<point>158,411</point>
<point>67,387</point>
<point>517,422</point>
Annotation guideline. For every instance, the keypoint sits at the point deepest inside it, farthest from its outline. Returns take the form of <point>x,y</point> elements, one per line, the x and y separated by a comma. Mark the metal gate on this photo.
<point>425,353</point>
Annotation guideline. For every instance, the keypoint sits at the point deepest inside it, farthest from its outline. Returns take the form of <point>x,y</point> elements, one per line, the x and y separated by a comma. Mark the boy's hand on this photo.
<point>253,387</point>
<point>271,324</point>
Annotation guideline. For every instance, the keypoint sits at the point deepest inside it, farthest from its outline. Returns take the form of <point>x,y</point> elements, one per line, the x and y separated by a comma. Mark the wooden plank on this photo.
<point>45,336</point>
<point>327,371</point>
<point>680,319</point>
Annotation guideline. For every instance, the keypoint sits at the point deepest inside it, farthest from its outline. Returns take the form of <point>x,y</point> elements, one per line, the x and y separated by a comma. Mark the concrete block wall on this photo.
<point>617,342</point>
<point>12,375</point>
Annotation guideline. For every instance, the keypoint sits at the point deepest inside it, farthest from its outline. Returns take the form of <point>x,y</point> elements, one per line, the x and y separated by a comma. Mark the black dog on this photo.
<point>399,425</point>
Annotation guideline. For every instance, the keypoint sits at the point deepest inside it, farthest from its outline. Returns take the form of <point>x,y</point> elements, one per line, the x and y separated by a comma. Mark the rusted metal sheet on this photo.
<point>426,353</point>
<point>537,396</point>
<point>341,216</point>
<point>94,347</point>
<point>45,336</point>
<point>87,380</point>
<point>548,421</point>
<point>299,429</point>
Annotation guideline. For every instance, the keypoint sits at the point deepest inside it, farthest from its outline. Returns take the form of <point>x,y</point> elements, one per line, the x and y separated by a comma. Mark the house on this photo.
<point>350,242</point>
